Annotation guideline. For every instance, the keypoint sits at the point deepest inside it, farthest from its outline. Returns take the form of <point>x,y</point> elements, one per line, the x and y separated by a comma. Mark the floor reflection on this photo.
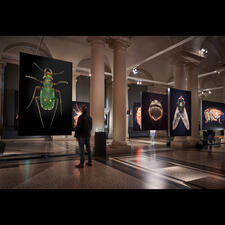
<point>16,148</point>
<point>159,171</point>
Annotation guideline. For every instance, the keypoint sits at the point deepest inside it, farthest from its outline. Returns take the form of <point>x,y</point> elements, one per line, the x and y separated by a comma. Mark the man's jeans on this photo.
<point>84,141</point>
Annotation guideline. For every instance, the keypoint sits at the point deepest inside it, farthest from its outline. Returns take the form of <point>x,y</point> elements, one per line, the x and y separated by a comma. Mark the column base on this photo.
<point>223,140</point>
<point>186,143</point>
<point>63,138</point>
<point>118,147</point>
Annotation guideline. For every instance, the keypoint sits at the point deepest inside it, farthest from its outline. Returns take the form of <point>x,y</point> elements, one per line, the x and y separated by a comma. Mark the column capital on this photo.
<point>187,57</point>
<point>96,39</point>
<point>119,41</point>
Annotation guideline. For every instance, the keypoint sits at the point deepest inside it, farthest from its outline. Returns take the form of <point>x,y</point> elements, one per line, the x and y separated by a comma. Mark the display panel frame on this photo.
<point>179,104</point>
<point>157,103</point>
<point>212,125</point>
<point>40,116</point>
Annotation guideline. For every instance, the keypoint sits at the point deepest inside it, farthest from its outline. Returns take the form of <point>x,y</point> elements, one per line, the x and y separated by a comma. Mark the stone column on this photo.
<point>74,86</point>
<point>179,73</point>
<point>185,77</point>
<point>127,108</point>
<point>74,90</point>
<point>119,45</point>
<point>111,111</point>
<point>192,85</point>
<point>109,97</point>
<point>97,82</point>
<point>2,69</point>
<point>224,88</point>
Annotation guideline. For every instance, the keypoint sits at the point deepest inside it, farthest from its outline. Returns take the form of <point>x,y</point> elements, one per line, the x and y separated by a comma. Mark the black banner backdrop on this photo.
<point>44,111</point>
<point>137,116</point>
<point>76,112</point>
<point>213,115</point>
<point>180,112</point>
<point>154,111</point>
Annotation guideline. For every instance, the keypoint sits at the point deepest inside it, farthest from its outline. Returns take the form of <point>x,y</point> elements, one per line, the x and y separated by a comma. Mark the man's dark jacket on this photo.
<point>84,126</point>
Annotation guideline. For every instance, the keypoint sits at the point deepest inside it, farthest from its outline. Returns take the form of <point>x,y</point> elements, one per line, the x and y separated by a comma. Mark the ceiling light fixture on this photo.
<point>203,51</point>
<point>135,71</point>
<point>139,82</point>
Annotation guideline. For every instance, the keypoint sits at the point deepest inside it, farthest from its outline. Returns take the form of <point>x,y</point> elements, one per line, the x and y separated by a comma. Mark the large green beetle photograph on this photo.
<point>47,99</point>
<point>44,95</point>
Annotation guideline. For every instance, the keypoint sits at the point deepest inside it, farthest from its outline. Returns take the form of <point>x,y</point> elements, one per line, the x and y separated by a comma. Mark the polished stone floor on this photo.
<point>19,147</point>
<point>148,166</point>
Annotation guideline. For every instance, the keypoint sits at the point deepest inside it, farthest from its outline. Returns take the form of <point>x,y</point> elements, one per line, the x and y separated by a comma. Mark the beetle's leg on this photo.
<point>60,100</point>
<point>36,99</point>
<point>37,87</point>
<point>56,106</point>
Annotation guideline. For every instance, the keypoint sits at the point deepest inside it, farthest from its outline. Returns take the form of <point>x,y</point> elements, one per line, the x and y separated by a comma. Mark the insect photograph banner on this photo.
<point>154,111</point>
<point>180,112</point>
<point>213,115</point>
<point>76,112</point>
<point>45,96</point>
<point>137,116</point>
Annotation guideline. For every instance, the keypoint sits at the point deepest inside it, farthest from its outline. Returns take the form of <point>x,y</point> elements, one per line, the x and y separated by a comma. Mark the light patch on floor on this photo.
<point>182,173</point>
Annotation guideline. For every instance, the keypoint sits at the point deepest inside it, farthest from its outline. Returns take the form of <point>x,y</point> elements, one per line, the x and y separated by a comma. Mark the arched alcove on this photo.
<point>17,47</point>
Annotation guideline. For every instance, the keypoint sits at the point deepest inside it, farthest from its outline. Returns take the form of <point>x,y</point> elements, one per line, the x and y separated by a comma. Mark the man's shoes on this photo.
<point>79,166</point>
<point>89,164</point>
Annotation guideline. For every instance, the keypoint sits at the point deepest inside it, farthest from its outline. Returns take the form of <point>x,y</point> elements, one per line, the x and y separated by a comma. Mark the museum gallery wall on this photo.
<point>154,111</point>
<point>180,112</point>
<point>76,112</point>
<point>212,115</point>
<point>45,96</point>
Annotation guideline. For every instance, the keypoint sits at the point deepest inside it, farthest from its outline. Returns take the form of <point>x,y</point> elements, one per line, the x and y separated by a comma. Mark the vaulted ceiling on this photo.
<point>77,50</point>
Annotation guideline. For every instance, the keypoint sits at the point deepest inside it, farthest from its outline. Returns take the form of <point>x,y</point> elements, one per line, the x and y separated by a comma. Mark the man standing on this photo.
<point>83,133</point>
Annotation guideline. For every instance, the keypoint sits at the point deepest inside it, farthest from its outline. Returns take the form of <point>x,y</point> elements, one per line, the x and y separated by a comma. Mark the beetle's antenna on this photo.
<point>61,82</point>
<point>58,73</point>
<point>38,67</point>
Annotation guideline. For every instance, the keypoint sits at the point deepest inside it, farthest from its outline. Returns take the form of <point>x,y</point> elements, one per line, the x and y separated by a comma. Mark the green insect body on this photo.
<point>47,100</point>
<point>47,94</point>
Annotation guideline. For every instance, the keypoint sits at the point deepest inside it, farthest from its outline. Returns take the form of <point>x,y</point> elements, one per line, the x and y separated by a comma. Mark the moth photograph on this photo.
<point>180,112</point>
<point>212,114</point>
<point>45,96</point>
<point>154,111</point>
